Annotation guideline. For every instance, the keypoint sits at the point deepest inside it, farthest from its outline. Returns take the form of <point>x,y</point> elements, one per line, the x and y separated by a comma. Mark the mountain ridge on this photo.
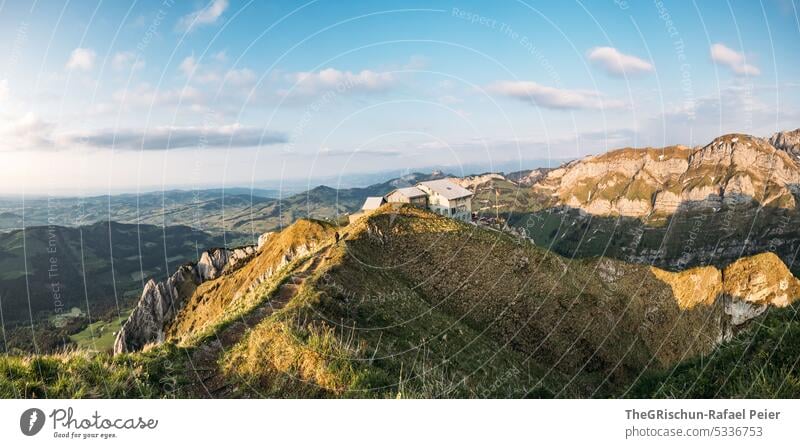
<point>340,284</point>
<point>731,169</point>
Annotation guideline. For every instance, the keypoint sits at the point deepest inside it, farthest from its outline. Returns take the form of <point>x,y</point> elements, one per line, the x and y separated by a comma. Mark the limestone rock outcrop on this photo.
<point>731,170</point>
<point>747,287</point>
<point>160,301</point>
<point>788,141</point>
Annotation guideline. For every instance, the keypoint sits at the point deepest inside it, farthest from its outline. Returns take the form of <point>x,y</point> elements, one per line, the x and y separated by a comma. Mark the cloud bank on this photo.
<point>163,138</point>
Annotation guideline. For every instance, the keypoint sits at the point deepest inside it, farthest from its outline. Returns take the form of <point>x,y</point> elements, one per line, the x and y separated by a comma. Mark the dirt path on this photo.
<point>203,366</point>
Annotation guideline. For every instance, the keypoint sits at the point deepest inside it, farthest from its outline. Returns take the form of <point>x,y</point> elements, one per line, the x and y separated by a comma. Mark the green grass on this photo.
<point>762,362</point>
<point>303,350</point>
<point>100,335</point>
<point>156,373</point>
<point>245,304</point>
<point>359,331</point>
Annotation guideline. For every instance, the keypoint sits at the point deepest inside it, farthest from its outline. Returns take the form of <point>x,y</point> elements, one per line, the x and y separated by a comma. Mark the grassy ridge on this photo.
<point>375,338</point>
<point>419,305</point>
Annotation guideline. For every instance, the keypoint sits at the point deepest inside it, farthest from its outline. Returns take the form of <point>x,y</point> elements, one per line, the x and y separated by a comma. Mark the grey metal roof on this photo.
<point>410,192</point>
<point>447,188</point>
<point>373,202</point>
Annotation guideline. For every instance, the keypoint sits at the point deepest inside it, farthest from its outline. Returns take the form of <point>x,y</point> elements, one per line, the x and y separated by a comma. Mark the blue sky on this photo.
<point>156,94</point>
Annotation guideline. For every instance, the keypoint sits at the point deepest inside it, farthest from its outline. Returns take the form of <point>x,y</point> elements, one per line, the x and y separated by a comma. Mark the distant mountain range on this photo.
<point>239,213</point>
<point>157,233</point>
<point>172,207</point>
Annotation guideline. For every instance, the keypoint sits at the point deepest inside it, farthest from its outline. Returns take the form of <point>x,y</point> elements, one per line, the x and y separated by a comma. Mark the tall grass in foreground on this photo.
<point>155,373</point>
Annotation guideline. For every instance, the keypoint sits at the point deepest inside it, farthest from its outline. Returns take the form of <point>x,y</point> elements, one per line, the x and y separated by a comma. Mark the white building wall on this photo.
<point>460,209</point>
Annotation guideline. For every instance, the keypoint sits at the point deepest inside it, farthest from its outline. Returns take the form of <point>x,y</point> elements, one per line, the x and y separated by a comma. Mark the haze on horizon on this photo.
<point>102,96</point>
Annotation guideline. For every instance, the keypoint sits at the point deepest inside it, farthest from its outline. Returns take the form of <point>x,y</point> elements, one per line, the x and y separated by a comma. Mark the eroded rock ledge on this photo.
<point>747,287</point>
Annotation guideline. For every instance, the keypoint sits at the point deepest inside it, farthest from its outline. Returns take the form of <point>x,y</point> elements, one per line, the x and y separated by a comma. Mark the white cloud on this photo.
<point>733,60</point>
<point>734,108</point>
<point>313,83</point>
<point>552,97</point>
<point>206,16</point>
<point>163,138</point>
<point>144,95</point>
<point>207,77</point>
<point>25,132</point>
<point>241,77</point>
<point>3,89</point>
<point>616,63</point>
<point>220,56</point>
<point>188,66</point>
<point>126,60</point>
<point>30,132</point>
<point>81,59</point>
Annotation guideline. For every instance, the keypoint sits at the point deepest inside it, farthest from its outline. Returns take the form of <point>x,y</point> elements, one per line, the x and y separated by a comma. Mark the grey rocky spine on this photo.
<point>161,301</point>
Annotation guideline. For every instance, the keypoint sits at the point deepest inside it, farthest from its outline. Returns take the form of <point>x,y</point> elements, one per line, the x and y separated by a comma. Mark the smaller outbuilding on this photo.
<point>409,195</point>
<point>372,203</point>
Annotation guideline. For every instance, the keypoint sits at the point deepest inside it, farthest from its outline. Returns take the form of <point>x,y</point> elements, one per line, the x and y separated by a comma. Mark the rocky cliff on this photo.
<point>160,301</point>
<point>746,287</point>
<point>197,292</point>
<point>788,141</point>
<point>675,207</point>
<point>642,183</point>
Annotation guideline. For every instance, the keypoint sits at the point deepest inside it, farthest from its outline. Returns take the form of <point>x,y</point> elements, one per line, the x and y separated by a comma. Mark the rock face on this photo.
<point>470,182</point>
<point>213,262</point>
<point>761,279</point>
<point>731,170</point>
<point>788,141</point>
<point>529,177</point>
<point>198,292</point>
<point>262,240</point>
<point>747,287</point>
<point>161,301</point>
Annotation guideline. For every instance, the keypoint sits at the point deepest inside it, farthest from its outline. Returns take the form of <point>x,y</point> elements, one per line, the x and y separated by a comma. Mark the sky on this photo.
<point>135,96</point>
